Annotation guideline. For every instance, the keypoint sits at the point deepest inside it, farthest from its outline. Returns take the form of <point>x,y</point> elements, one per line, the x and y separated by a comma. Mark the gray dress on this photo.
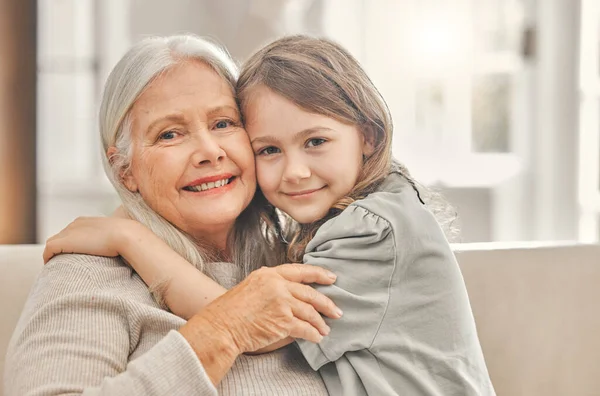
<point>407,327</point>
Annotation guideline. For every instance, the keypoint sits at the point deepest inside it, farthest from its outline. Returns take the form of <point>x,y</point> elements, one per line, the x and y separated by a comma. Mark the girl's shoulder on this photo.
<point>372,218</point>
<point>394,199</point>
<point>393,212</point>
<point>397,203</point>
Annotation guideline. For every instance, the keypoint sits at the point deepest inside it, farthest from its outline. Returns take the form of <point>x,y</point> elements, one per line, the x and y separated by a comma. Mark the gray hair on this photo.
<point>144,62</point>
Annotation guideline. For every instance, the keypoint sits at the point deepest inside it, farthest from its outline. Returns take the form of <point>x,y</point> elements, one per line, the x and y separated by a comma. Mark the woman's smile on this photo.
<point>205,188</point>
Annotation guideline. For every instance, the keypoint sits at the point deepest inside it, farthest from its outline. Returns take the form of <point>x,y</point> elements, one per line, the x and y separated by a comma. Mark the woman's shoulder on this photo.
<point>74,280</point>
<point>85,273</point>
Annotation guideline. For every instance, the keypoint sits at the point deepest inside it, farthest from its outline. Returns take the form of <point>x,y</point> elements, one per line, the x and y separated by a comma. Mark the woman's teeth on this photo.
<point>208,186</point>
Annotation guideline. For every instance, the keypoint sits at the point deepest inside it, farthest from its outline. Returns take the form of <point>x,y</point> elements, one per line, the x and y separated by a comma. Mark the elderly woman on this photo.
<point>91,326</point>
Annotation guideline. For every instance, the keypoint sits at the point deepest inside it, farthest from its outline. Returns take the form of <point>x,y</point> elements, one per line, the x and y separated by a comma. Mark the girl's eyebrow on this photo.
<point>300,135</point>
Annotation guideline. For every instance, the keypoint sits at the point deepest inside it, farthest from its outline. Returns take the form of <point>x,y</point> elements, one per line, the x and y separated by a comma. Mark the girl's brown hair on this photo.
<point>321,77</point>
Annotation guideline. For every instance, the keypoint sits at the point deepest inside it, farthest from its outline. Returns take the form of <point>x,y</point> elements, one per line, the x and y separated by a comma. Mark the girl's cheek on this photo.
<point>266,177</point>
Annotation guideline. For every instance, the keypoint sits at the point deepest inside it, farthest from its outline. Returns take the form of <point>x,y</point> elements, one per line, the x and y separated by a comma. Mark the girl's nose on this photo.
<point>295,171</point>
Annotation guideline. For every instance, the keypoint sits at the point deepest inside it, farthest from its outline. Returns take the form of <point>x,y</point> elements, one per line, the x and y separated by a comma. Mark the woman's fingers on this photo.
<point>274,303</point>
<point>304,273</point>
<point>307,313</point>
<point>319,301</point>
<point>304,330</point>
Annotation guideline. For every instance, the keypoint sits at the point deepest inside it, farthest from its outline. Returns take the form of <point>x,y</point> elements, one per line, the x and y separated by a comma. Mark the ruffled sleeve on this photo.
<point>358,246</point>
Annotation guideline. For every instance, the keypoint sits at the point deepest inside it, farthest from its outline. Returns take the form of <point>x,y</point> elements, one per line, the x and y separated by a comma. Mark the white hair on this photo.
<point>144,62</point>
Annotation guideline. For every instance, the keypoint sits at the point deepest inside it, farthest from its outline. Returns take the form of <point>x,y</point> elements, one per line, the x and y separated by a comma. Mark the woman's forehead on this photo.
<point>192,85</point>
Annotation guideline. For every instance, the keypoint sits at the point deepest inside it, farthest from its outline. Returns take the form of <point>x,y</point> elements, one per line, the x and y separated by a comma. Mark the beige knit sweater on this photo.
<point>91,327</point>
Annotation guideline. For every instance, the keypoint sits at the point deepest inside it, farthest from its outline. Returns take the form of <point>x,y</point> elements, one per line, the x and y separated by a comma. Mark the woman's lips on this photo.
<point>215,190</point>
<point>209,179</point>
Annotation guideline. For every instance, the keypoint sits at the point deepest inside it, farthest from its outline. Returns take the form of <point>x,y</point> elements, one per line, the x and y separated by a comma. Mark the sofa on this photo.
<point>534,305</point>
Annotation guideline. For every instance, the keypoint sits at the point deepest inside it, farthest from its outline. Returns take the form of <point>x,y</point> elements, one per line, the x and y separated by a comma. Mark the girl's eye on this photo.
<point>315,142</point>
<point>269,151</point>
<point>168,135</point>
<point>222,124</point>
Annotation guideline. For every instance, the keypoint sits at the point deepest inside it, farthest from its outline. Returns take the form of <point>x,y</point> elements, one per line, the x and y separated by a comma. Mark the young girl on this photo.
<point>333,197</point>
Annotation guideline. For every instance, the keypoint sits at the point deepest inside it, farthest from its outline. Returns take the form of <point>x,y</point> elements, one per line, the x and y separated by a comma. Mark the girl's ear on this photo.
<point>126,175</point>
<point>368,135</point>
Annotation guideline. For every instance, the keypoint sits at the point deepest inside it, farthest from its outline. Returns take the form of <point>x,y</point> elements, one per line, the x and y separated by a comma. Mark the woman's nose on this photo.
<point>296,170</point>
<point>207,150</point>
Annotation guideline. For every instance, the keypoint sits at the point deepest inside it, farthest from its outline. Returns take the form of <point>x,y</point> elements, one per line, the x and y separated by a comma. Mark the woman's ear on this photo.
<point>368,135</point>
<point>126,176</point>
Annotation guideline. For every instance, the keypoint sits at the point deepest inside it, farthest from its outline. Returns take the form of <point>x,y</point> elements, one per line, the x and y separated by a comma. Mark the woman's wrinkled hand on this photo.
<point>98,236</point>
<point>272,304</point>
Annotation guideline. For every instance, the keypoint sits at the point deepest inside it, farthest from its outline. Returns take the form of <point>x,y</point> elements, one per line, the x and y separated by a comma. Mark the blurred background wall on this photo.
<point>496,103</point>
<point>18,203</point>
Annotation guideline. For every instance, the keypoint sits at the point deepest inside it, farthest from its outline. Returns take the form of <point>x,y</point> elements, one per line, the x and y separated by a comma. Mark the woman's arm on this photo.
<point>74,336</point>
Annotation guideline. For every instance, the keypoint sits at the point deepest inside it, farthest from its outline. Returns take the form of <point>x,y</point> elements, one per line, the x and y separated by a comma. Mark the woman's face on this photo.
<point>192,162</point>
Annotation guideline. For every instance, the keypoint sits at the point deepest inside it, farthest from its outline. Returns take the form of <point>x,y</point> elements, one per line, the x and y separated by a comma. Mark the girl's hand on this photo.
<point>270,305</point>
<point>98,236</point>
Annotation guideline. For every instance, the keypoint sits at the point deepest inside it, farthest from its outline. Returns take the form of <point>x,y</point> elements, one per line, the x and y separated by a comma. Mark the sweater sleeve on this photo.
<point>74,338</point>
<point>358,247</point>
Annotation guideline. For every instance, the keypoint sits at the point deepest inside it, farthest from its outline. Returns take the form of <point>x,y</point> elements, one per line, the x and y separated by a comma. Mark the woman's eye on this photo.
<point>315,142</point>
<point>269,151</point>
<point>222,124</point>
<point>168,135</point>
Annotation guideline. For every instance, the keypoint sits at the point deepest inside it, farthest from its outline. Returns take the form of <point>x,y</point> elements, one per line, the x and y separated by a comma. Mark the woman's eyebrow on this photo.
<point>175,117</point>
<point>223,109</point>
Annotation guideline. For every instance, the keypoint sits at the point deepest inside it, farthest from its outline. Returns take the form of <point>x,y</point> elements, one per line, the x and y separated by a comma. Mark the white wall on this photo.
<point>530,194</point>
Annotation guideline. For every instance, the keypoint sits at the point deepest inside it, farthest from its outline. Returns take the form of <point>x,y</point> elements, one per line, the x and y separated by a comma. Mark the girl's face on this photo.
<point>305,162</point>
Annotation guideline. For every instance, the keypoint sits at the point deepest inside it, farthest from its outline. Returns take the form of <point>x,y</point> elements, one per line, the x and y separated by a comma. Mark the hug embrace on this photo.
<point>267,243</point>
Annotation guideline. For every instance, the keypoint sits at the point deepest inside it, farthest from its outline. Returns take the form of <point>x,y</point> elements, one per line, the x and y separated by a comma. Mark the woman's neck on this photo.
<point>216,240</point>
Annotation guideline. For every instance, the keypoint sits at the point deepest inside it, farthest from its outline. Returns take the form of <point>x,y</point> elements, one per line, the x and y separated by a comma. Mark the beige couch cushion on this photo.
<point>538,317</point>
<point>19,267</point>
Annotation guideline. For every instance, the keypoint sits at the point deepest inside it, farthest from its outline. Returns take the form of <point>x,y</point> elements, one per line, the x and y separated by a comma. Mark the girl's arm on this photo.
<point>183,288</point>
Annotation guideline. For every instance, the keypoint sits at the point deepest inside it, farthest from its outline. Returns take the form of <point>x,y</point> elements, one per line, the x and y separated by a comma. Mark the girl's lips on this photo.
<point>303,194</point>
